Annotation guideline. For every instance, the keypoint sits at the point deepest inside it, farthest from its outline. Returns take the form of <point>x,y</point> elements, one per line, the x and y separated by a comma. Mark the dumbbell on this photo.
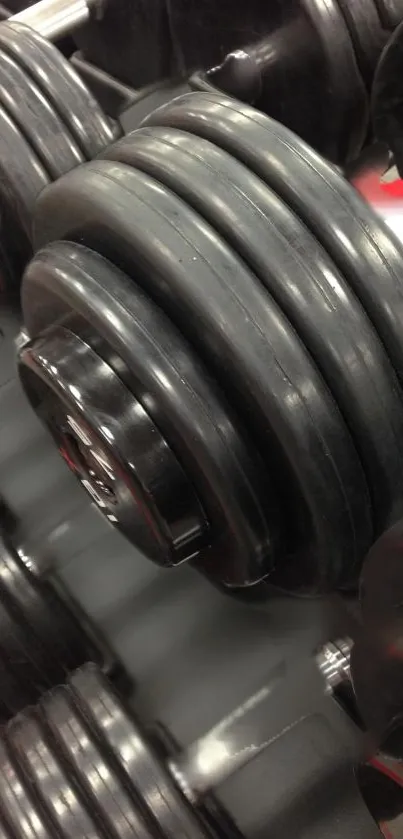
<point>52,125</point>
<point>102,773</point>
<point>43,635</point>
<point>215,346</point>
<point>386,99</point>
<point>309,71</point>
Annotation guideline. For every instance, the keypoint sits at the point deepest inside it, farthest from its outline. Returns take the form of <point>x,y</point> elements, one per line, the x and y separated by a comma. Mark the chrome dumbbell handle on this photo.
<point>55,18</point>
<point>252,727</point>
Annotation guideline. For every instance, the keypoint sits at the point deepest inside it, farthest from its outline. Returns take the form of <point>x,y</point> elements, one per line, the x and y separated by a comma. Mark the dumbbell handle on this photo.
<point>253,726</point>
<point>55,18</point>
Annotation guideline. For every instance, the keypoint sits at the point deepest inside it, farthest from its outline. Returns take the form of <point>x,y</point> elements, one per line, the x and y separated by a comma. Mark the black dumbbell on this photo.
<point>308,72</point>
<point>102,773</point>
<point>51,126</point>
<point>386,102</point>
<point>43,635</point>
<point>225,310</point>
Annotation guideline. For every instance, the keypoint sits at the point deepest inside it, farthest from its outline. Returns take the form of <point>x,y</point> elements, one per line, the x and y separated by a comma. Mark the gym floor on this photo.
<point>193,653</point>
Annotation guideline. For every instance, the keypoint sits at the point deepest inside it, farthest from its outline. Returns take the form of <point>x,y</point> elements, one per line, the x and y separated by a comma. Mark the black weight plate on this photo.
<point>377,675</point>
<point>109,802</point>
<point>183,401</point>
<point>36,120</point>
<point>367,33</point>
<point>347,112</point>
<point>387,97</point>
<point>142,767</point>
<point>24,655</point>
<point>61,85</point>
<point>37,604</point>
<point>361,244</point>
<point>41,767</point>
<point>253,350</point>
<point>305,284</point>
<point>390,12</point>
<point>22,178</point>
<point>381,590</point>
<point>14,693</point>
<point>17,806</point>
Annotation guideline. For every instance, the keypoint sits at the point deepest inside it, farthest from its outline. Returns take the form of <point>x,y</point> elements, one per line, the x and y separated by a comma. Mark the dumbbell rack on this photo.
<point>193,654</point>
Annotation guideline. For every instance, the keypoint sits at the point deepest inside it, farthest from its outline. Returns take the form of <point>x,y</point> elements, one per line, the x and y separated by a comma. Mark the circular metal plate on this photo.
<point>124,738</point>
<point>38,122</point>
<point>112,446</point>
<point>303,280</point>
<point>222,308</point>
<point>134,337</point>
<point>361,244</point>
<point>61,85</point>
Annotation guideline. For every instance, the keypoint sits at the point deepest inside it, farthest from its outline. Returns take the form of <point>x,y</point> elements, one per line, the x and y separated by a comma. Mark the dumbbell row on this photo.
<point>272,388</point>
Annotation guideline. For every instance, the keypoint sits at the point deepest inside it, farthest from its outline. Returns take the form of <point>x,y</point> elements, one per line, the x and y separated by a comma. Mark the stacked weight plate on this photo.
<point>42,638</point>
<point>51,126</point>
<point>224,310</point>
<point>80,764</point>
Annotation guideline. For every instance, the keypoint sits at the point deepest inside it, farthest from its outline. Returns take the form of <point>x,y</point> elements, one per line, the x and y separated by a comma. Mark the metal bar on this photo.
<point>55,18</point>
<point>257,723</point>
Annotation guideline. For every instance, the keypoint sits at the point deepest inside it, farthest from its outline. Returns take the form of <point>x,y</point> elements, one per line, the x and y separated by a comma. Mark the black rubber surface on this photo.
<point>304,282</point>
<point>92,767</point>
<point>387,97</point>
<point>125,739</point>
<point>390,12</point>
<point>37,605</point>
<point>253,350</point>
<point>347,116</point>
<point>36,119</point>
<point>179,395</point>
<point>22,178</point>
<point>61,85</point>
<point>367,34</point>
<point>361,244</point>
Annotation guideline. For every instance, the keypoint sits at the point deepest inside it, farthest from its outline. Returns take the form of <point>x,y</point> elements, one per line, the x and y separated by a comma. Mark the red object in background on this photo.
<point>378,192</point>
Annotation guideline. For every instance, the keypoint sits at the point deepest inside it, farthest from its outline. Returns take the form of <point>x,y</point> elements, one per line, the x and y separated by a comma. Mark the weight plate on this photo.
<point>390,12</point>
<point>42,770</point>
<point>22,178</point>
<point>367,34</point>
<point>39,606</point>
<point>14,693</point>
<point>381,589</point>
<point>303,281</point>
<point>61,85</point>
<point>113,447</point>
<point>376,668</point>
<point>26,658</point>
<point>387,97</point>
<point>18,808</point>
<point>253,350</point>
<point>347,111</point>
<point>162,370</point>
<point>142,767</point>
<point>361,244</point>
<point>35,118</point>
<point>90,765</point>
